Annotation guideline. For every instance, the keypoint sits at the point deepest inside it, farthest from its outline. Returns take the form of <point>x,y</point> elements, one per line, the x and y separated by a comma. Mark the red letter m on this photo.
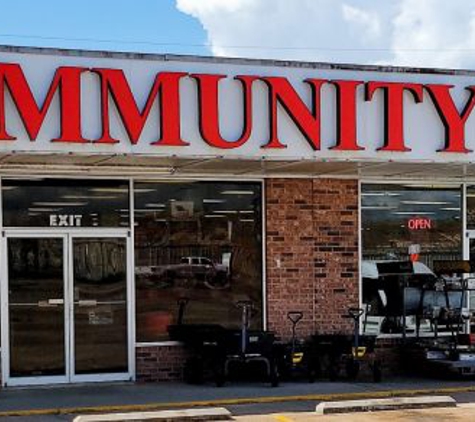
<point>67,80</point>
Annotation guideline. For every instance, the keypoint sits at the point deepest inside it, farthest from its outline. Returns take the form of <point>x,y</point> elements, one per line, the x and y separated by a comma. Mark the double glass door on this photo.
<point>67,313</point>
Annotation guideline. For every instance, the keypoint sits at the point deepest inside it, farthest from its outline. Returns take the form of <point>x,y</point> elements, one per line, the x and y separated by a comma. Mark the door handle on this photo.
<point>50,303</point>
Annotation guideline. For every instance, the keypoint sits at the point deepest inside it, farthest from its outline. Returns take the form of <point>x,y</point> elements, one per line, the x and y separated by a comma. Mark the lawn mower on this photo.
<point>245,349</point>
<point>333,352</point>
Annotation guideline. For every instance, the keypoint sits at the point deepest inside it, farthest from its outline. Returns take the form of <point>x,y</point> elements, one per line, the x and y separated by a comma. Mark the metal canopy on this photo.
<point>136,165</point>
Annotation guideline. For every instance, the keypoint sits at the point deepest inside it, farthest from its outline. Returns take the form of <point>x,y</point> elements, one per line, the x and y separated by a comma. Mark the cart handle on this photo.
<point>244,303</point>
<point>294,316</point>
<point>355,313</point>
<point>183,301</point>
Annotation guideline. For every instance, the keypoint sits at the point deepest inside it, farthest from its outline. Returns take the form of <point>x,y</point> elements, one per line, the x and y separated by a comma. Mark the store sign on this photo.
<point>138,106</point>
<point>419,223</point>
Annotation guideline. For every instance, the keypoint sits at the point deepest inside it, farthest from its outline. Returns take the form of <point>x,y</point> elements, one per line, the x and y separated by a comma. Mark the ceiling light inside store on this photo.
<point>428,187</point>
<point>214,216</point>
<point>60,204</point>
<point>380,194</point>
<point>225,211</point>
<point>237,192</point>
<point>149,210</point>
<point>426,202</point>
<point>36,209</point>
<point>89,197</point>
<point>450,209</point>
<point>376,207</point>
<point>152,205</point>
<point>247,220</point>
<point>116,190</point>
<point>416,213</point>
<point>213,201</point>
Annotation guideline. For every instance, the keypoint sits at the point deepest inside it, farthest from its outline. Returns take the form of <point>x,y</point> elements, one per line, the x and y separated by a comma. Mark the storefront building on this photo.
<point>130,181</point>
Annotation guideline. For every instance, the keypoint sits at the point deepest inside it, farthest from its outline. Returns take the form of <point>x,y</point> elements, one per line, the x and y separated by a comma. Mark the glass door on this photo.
<point>99,307</point>
<point>38,335</point>
<point>66,318</point>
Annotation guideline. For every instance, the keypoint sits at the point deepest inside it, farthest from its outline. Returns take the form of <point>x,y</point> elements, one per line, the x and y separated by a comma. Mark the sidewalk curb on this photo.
<point>229,402</point>
<point>377,405</point>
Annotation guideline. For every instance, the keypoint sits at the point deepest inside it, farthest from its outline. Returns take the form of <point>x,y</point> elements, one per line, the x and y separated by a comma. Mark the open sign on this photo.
<point>419,223</point>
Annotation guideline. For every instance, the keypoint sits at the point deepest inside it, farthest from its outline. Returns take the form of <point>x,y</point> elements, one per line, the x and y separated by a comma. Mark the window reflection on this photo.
<point>200,240</point>
<point>65,203</point>
<point>406,223</point>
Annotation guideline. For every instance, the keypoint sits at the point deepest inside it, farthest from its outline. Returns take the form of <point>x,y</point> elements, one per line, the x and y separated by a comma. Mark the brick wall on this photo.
<point>312,253</point>
<point>312,265</point>
<point>160,363</point>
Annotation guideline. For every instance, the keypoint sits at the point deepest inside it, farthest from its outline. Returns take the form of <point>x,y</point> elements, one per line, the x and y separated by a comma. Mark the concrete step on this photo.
<point>206,414</point>
<point>396,403</point>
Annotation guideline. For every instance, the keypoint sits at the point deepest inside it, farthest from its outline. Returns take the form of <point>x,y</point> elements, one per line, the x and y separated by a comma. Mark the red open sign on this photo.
<point>419,223</point>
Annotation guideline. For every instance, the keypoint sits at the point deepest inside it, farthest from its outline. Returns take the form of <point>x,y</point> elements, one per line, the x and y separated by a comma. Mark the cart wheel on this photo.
<point>274,376</point>
<point>193,371</point>
<point>377,372</point>
<point>314,372</point>
<point>219,375</point>
<point>333,373</point>
<point>352,368</point>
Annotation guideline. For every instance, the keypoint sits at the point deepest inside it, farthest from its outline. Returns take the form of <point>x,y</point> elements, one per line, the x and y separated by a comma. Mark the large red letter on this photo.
<point>66,79</point>
<point>166,86</point>
<point>209,109</point>
<point>394,111</point>
<point>346,115</point>
<point>308,122</point>
<point>454,121</point>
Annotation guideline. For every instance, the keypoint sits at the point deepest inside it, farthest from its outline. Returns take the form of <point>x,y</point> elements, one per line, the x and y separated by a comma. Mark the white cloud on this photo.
<point>437,33</point>
<point>368,21</point>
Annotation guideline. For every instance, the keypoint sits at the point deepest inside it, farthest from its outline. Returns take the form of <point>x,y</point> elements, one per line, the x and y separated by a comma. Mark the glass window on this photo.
<point>65,203</point>
<point>471,207</point>
<point>406,223</point>
<point>201,241</point>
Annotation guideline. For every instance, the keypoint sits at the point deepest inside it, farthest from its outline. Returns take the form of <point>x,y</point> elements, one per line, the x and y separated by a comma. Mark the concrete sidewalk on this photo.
<point>129,397</point>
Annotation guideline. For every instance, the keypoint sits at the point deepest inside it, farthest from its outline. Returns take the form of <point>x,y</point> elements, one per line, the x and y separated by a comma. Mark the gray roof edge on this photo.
<point>231,60</point>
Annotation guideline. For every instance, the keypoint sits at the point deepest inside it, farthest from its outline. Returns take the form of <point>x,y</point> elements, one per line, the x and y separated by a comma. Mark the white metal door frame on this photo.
<point>7,380</point>
<point>68,236</point>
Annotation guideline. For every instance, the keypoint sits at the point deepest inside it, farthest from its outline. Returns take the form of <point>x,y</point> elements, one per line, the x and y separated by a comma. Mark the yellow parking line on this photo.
<point>282,418</point>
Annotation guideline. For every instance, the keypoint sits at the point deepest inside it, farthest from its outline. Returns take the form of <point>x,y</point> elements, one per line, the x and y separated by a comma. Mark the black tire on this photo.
<point>194,372</point>
<point>274,376</point>
<point>352,369</point>
<point>216,282</point>
<point>377,372</point>
<point>314,371</point>
<point>333,373</point>
<point>219,375</point>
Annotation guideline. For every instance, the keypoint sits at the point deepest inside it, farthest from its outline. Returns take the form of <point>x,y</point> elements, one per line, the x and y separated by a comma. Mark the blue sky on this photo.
<point>131,25</point>
<point>426,33</point>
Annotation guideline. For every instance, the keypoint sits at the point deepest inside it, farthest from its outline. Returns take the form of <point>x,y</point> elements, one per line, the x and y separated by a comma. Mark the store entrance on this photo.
<point>65,308</point>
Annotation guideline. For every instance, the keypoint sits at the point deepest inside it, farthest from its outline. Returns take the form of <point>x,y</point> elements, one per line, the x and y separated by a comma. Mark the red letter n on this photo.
<point>308,121</point>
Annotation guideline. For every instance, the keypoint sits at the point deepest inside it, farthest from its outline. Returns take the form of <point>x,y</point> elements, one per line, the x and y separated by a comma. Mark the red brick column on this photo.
<point>312,253</point>
<point>160,363</point>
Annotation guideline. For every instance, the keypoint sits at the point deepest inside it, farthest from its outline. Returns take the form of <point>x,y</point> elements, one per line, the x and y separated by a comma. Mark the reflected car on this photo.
<point>190,272</point>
